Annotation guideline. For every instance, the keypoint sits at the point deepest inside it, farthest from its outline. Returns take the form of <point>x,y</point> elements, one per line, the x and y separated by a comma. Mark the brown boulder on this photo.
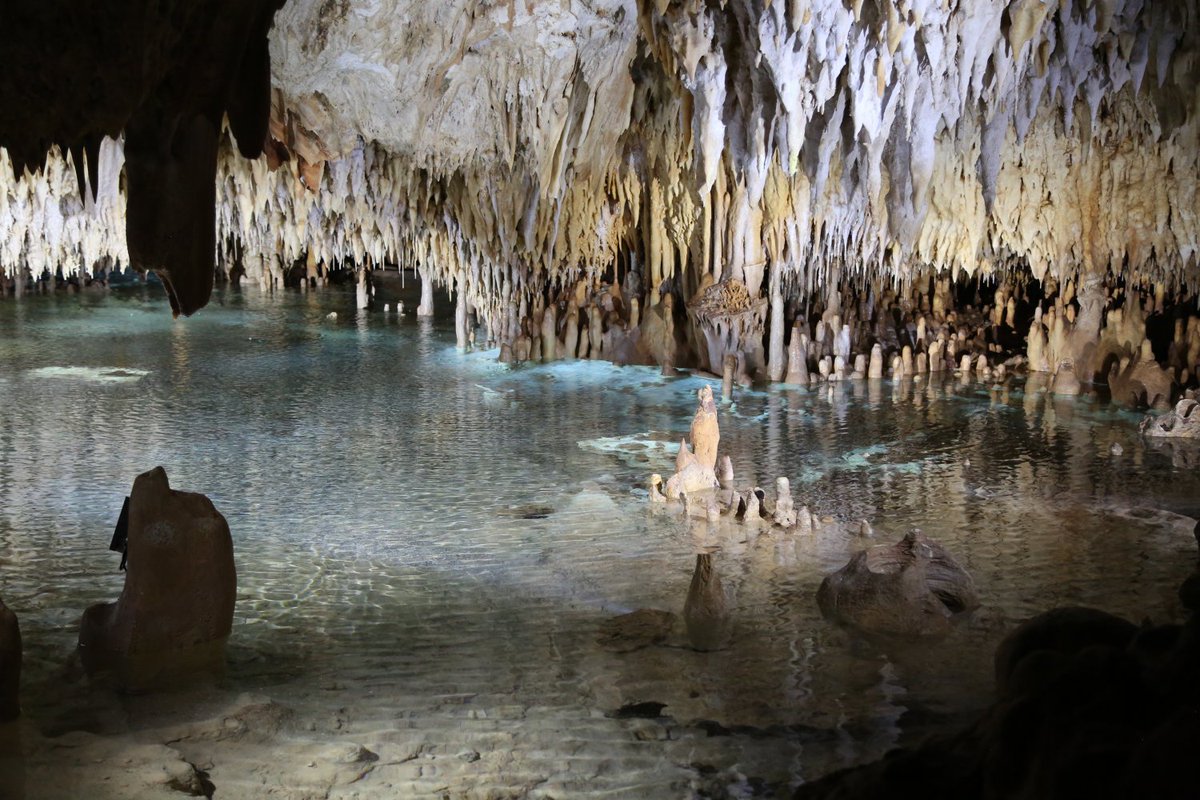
<point>10,664</point>
<point>176,609</point>
<point>911,588</point>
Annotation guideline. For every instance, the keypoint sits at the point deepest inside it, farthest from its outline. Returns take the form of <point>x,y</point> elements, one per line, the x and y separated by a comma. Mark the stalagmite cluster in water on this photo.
<point>736,161</point>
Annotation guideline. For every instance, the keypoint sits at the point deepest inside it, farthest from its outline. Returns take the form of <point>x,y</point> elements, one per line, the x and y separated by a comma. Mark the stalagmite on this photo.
<point>785,508</point>
<point>570,343</point>
<point>841,345</point>
<point>875,370</point>
<point>655,487</point>
<point>695,471</point>
<point>549,339</point>
<point>804,520</point>
<point>913,588</point>
<point>728,373</point>
<point>361,292</point>
<point>460,313</point>
<point>797,369</point>
<point>725,472</point>
<point>744,159</point>
<point>425,308</point>
<point>775,353</point>
<point>585,340</point>
<point>1141,381</point>
<point>705,431</point>
<point>595,333</point>
<point>936,361</point>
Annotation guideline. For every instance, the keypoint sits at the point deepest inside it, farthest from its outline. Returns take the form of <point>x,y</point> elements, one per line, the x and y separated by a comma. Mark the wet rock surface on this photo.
<point>911,588</point>
<point>176,608</point>
<point>1181,423</point>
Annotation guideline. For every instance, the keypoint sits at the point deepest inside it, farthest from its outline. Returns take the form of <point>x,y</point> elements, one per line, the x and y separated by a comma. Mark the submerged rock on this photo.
<point>705,612</point>
<point>176,609</point>
<point>911,588</point>
<point>636,630</point>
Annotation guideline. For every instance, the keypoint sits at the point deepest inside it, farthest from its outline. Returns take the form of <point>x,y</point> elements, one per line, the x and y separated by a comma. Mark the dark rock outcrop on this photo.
<point>176,609</point>
<point>1087,705</point>
<point>911,588</point>
<point>10,664</point>
<point>164,73</point>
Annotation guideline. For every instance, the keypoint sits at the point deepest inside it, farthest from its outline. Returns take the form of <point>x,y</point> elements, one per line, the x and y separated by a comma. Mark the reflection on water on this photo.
<point>429,542</point>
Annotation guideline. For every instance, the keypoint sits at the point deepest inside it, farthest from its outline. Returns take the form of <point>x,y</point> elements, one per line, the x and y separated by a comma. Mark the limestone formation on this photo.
<point>176,609</point>
<point>1181,423</point>
<point>909,589</point>
<point>785,506</point>
<point>725,473</point>
<point>750,506</point>
<point>10,665</point>
<point>804,520</point>
<point>1141,382</point>
<point>925,140</point>
<point>797,366</point>
<point>706,432</point>
<point>875,370</point>
<point>656,489</point>
<point>696,471</point>
<point>731,321</point>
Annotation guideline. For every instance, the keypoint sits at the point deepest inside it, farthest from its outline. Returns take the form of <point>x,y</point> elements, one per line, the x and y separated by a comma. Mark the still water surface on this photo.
<point>428,541</point>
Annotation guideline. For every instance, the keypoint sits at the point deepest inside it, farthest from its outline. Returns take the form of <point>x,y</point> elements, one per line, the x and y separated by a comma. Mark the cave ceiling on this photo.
<point>508,146</point>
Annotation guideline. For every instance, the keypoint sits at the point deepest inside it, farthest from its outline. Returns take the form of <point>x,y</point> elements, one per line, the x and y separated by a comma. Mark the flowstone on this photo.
<point>732,322</point>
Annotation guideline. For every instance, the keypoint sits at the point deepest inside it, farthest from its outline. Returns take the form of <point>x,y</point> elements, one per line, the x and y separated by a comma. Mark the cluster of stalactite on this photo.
<point>693,174</point>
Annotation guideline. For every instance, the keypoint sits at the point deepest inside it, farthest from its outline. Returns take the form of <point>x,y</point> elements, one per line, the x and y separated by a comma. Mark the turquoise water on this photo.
<point>430,541</point>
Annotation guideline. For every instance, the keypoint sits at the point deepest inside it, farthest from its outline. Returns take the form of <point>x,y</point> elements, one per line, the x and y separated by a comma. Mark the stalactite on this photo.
<point>805,151</point>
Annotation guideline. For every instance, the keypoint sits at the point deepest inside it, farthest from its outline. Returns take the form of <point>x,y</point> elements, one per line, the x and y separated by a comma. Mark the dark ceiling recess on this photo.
<point>163,71</point>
